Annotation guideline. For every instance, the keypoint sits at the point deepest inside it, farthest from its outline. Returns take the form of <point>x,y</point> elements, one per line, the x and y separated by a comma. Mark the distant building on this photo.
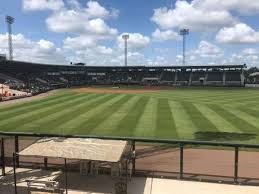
<point>2,57</point>
<point>79,64</point>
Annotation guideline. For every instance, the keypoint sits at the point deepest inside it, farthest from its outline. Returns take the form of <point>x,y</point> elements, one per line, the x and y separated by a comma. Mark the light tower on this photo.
<point>126,37</point>
<point>10,20</point>
<point>184,32</point>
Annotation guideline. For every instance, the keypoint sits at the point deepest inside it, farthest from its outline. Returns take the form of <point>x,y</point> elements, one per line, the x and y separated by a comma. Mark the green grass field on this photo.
<point>214,114</point>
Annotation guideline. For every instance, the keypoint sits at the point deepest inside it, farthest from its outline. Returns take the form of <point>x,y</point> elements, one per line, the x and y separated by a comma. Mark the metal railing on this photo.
<point>181,143</point>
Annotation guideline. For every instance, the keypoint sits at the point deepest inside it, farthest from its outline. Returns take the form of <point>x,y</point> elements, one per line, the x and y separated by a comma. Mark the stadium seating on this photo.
<point>233,76</point>
<point>183,78</point>
<point>37,78</point>
<point>198,77</point>
<point>168,76</point>
<point>215,76</point>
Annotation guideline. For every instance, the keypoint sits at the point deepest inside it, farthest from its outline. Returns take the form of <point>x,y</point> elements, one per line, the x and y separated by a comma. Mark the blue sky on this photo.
<point>61,31</point>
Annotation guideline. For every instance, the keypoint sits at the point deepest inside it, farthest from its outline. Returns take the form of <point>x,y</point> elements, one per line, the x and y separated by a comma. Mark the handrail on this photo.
<point>136,139</point>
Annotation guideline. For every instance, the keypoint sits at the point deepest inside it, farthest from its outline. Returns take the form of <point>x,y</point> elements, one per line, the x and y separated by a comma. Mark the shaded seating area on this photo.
<point>28,180</point>
<point>90,154</point>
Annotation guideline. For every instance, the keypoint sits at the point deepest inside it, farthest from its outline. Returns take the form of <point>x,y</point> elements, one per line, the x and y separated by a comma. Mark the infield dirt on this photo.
<point>117,90</point>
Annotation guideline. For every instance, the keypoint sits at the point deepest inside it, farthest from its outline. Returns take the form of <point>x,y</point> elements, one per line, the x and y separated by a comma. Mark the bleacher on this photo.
<point>11,81</point>
<point>41,77</point>
<point>6,77</point>
<point>168,76</point>
<point>183,77</point>
<point>215,76</point>
<point>233,78</point>
<point>198,77</point>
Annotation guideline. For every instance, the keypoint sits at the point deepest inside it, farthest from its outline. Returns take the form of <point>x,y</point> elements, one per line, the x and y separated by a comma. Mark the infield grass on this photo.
<point>213,114</point>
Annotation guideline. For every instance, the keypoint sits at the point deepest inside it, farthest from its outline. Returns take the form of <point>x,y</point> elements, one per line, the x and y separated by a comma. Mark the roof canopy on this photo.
<point>77,148</point>
<point>20,66</point>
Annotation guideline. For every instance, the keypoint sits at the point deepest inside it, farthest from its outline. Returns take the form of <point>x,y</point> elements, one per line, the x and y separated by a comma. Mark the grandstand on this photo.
<point>41,77</point>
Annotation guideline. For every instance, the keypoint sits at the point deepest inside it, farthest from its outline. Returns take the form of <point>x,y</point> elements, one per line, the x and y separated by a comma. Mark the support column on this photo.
<point>46,163</point>
<point>206,77</point>
<point>175,77</point>
<point>126,165</point>
<point>190,78</point>
<point>3,156</point>
<point>236,165</point>
<point>224,78</point>
<point>66,175</point>
<point>16,139</point>
<point>181,161</point>
<point>242,76</point>
<point>14,172</point>
<point>134,157</point>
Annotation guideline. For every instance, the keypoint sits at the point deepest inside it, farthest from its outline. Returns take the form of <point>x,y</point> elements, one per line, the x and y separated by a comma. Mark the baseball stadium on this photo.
<point>94,98</point>
<point>138,123</point>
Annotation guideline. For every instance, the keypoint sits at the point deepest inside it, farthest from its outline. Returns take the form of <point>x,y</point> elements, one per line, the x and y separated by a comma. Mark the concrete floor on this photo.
<point>103,184</point>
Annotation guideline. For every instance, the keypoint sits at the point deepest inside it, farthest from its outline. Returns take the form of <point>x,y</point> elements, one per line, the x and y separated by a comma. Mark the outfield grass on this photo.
<point>214,114</point>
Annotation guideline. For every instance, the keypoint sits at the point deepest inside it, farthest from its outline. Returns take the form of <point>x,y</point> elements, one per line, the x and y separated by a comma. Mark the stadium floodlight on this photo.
<point>126,37</point>
<point>10,20</point>
<point>184,32</point>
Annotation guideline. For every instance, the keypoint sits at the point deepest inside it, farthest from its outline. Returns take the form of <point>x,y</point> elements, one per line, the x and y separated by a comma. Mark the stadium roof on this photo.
<point>20,66</point>
<point>77,148</point>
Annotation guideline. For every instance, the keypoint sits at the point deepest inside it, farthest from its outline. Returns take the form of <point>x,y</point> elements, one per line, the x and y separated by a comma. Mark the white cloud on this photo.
<point>104,56</point>
<point>104,50</point>
<point>83,21</point>
<point>247,7</point>
<point>158,35</point>
<point>34,5</point>
<point>179,59</point>
<point>190,59</point>
<point>247,56</point>
<point>94,9</point>
<point>114,13</point>
<point>134,59</point>
<point>42,51</point>
<point>240,33</point>
<point>208,50</point>
<point>46,45</point>
<point>107,57</point>
<point>250,51</point>
<point>78,22</point>
<point>187,15</point>
<point>19,41</point>
<point>98,26</point>
<point>159,61</point>
<point>206,54</point>
<point>135,41</point>
<point>79,42</point>
<point>74,4</point>
<point>67,21</point>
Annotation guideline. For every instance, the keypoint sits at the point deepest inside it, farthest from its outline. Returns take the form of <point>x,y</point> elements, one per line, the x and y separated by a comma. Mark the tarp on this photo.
<point>77,148</point>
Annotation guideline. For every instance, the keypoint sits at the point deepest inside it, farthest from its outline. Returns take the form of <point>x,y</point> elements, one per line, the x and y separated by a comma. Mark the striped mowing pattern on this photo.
<point>177,114</point>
